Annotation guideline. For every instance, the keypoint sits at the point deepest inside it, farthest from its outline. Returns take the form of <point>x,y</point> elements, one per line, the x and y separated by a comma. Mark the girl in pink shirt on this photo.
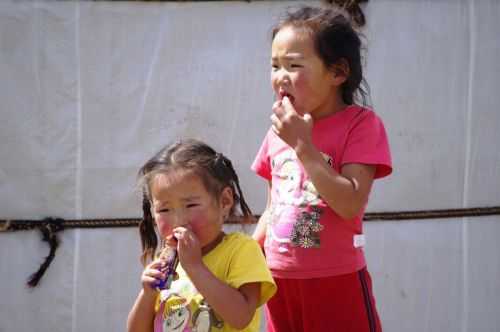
<point>320,158</point>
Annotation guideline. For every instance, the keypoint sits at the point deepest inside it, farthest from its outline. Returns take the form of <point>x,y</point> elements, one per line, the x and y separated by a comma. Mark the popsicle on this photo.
<point>169,256</point>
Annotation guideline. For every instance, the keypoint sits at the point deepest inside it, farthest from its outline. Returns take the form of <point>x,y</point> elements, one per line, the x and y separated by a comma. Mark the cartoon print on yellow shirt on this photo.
<point>183,309</point>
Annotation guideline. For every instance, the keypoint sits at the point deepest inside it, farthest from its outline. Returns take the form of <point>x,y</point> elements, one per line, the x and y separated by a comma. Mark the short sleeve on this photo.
<point>367,143</point>
<point>249,265</point>
<point>262,165</point>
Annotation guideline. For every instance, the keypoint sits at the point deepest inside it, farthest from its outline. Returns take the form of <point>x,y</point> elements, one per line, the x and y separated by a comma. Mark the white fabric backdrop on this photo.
<point>89,90</point>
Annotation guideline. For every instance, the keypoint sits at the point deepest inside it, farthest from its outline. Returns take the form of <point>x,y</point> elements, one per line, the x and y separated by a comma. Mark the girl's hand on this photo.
<point>188,248</point>
<point>152,275</point>
<point>293,128</point>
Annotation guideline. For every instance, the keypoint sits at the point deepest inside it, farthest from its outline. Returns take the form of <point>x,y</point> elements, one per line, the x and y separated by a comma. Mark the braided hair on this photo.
<point>214,169</point>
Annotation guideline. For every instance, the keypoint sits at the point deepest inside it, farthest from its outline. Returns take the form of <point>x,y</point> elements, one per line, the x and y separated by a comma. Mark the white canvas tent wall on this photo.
<point>89,90</point>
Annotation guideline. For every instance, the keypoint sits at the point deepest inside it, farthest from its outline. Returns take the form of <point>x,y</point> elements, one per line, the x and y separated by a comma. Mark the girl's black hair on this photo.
<point>214,169</point>
<point>353,8</point>
<point>336,40</point>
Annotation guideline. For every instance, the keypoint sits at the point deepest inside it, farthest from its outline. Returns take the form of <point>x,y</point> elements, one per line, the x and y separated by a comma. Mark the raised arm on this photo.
<point>235,306</point>
<point>346,193</point>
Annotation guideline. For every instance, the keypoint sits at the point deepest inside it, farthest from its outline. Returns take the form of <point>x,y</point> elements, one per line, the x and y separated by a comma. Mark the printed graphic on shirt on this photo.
<point>305,232</point>
<point>295,210</point>
<point>183,309</point>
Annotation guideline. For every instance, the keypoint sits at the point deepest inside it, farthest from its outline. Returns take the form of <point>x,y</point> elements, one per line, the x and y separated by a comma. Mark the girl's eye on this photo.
<point>163,211</point>
<point>296,66</point>
<point>192,205</point>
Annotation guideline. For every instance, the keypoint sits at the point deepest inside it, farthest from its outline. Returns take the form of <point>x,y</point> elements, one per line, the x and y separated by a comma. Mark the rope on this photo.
<point>433,214</point>
<point>28,224</point>
<point>49,227</point>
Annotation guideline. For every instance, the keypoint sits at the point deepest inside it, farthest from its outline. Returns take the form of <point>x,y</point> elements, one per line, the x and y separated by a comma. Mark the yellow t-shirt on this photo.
<point>237,260</point>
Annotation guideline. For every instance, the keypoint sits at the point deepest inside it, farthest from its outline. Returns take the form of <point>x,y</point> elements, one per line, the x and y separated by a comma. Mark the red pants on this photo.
<point>342,303</point>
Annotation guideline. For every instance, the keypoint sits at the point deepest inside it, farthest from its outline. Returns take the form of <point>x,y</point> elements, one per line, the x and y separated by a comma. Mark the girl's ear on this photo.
<point>226,200</point>
<point>340,71</point>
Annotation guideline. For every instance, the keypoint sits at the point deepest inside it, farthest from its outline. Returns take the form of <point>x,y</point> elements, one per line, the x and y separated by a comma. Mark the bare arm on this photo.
<point>346,193</point>
<point>235,306</point>
<point>260,230</point>
<point>141,316</point>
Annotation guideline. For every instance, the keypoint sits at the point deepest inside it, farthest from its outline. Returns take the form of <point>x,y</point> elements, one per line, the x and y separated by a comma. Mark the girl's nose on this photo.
<point>282,77</point>
<point>179,219</point>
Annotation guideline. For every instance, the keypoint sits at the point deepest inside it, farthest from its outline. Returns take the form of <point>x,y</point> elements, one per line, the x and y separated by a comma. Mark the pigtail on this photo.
<point>222,165</point>
<point>239,198</point>
<point>149,240</point>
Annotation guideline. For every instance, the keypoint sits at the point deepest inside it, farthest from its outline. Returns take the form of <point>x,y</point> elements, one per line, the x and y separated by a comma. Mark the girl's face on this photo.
<point>180,198</point>
<point>299,73</point>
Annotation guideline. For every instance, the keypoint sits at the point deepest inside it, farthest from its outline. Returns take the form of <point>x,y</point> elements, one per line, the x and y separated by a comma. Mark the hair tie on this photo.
<point>353,9</point>
<point>220,160</point>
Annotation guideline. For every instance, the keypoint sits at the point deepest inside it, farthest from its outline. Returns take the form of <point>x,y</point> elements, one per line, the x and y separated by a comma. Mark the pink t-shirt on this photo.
<point>305,238</point>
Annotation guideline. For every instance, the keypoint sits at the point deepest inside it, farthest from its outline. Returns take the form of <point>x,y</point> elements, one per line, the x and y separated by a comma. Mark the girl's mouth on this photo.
<point>283,94</point>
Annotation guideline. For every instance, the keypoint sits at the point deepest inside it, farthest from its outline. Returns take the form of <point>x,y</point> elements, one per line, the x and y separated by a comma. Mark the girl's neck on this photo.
<point>333,104</point>
<point>334,107</point>
<point>339,106</point>
<point>206,249</point>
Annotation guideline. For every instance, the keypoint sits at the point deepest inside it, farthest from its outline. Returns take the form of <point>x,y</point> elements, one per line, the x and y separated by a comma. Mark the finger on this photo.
<point>153,275</point>
<point>287,105</point>
<point>149,280</point>
<point>275,130</point>
<point>188,238</point>
<point>277,103</point>
<point>155,265</point>
<point>184,237</point>
<point>278,108</point>
<point>308,119</point>
<point>154,269</point>
<point>183,242</point>
<point>275,120</point>
<point>276,124</point>
<point>179,232</point>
